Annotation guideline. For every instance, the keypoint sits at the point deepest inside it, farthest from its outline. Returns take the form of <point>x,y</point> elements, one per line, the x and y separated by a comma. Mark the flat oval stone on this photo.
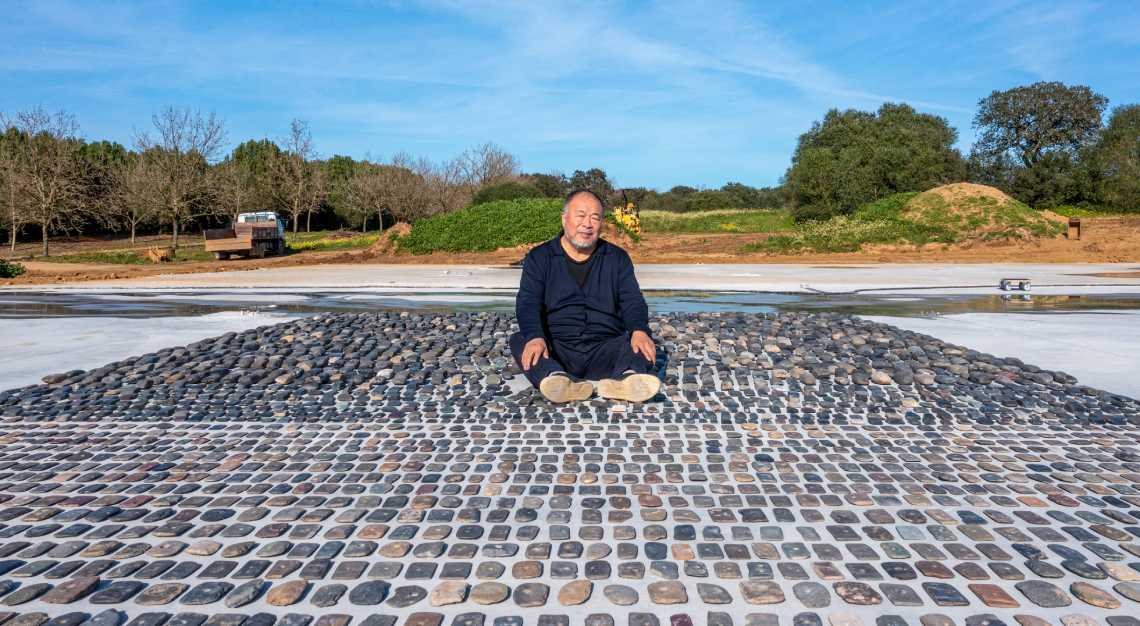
<point>205,547</point>
<point>449,592</point>
<point>26,593</point>
<point>812,595</point>
<point>842,618</point>
<point>162,593</point>
<point>1075,619</point>
<point>71,590</point>
<point>531,594</point>
<point>1030,620</point>
<point>936,619</point>
<point>207,593</point>
<point>524,570</point>
<point>944,594</point>
<point>117,592</point>
<point>668,592</point>
<point>1094,596</point>
<point>713,594</point>
<point>1128,590</point>
<point>901,595</point>
<point>35,618</point>
<point>1044,594</point>
<point>74,618</point>
<point>369,593</point>
<point>575,593</point>
<point>857,593</point>
<point>487,593</point>
<point>327,595</point>
<point>108,617</point>
<point>994,596</point>
<point>620,595</point>
<point>406,596</point>
<point>287,593</point>
<point>245,593</point>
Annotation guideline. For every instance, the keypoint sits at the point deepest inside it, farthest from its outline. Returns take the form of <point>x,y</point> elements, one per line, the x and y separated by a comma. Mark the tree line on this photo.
<point>52,181</point>
<point>1045,144</point>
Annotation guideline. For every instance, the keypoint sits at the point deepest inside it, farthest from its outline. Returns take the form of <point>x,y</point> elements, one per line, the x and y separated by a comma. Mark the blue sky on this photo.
<point>657,94</point>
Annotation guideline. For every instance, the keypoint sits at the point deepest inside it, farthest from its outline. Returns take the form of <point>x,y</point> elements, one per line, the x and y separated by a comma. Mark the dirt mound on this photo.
<point>979,213</point>
<point>956,192</point>
<point>386,244</point>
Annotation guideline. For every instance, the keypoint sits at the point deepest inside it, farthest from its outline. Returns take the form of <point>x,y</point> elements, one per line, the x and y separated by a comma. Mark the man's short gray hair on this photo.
<point>577,192</point>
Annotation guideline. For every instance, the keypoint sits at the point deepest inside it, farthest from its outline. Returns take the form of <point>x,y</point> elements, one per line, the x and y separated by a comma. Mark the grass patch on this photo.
<point>916,219</point>
<point>486,227</point>
<point>333,241</point>
<point>1069,210</point>
<point>126,257</point>
<point>722,221</point>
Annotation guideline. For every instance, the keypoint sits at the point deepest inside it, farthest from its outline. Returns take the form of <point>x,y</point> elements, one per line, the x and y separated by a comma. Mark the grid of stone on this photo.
<point>765,488</point>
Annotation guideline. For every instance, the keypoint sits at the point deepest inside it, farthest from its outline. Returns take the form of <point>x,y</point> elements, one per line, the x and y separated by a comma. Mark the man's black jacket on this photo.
<point>551,304</point>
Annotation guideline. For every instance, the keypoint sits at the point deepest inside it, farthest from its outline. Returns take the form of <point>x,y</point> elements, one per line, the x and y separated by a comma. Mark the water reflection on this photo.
<point>161,304</point>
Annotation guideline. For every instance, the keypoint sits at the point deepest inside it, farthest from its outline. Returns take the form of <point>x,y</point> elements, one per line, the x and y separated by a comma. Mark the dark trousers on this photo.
<point>604,359</point>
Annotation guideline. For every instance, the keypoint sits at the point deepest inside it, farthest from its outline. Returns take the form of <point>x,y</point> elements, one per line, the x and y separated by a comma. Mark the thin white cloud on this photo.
<point>689,83</point>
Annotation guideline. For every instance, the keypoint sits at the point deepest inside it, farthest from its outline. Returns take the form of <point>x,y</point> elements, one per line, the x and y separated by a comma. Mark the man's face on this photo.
<point>582,221</point>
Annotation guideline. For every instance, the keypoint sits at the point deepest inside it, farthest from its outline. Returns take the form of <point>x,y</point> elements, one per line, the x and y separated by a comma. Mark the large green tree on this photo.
<point>249,176</point>
<point>853,157</point>
<point>1112,164</point>
<point>553,185</point>
<point>1032,121</point>
<point>338,172</point>
<point>594,179</point>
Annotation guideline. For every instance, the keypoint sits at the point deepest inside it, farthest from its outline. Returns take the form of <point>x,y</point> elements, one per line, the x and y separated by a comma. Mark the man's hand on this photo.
<point>642,344</point>
<point>533,351</point>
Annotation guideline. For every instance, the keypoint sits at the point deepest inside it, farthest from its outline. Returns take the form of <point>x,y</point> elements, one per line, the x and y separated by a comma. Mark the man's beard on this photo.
<point>580,244</point>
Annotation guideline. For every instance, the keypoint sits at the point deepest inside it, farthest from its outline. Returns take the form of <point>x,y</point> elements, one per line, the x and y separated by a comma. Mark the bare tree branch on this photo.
<point>50,171</point>
<point>486,165</point>
<point>183,145</point>
<point>300,181</point>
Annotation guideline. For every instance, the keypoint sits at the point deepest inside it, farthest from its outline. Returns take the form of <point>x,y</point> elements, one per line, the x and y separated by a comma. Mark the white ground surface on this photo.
<point>740,277</point>
<point>1102,349</point>
<point>34,348</point>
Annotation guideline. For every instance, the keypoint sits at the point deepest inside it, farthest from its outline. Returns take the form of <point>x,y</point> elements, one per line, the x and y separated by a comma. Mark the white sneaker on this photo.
<point>559,388</point>
<point>631,387</point>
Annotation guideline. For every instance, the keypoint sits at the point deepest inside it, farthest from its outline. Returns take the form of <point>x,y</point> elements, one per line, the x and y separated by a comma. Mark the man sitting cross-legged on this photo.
<point>581,314</point>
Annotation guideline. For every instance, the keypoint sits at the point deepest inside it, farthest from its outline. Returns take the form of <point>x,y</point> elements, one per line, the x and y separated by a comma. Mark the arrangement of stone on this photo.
<point>393,469</point>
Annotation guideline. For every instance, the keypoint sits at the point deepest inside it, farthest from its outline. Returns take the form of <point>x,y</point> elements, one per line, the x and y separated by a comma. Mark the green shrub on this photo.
<point>885,208</point>
<point>128,256</point>
<point>727,221</point>
<point>1069,210</point>
<point>811,213</point>
<point>335,243</point>
<point>506,191</point>
<point>11,269</point>
<point>485,227</point>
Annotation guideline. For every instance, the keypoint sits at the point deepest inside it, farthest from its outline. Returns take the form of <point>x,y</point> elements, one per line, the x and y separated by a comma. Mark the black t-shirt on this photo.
<point>580,270</point>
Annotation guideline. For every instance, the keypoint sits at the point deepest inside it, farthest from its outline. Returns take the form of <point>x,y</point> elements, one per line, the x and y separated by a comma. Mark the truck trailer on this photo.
<point>256,234</point>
